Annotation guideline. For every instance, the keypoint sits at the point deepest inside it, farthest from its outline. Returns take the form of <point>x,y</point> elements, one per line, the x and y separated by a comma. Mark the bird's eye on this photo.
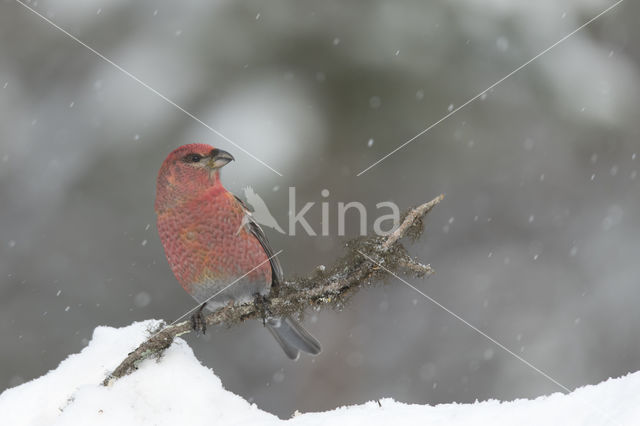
<point>192,158</point>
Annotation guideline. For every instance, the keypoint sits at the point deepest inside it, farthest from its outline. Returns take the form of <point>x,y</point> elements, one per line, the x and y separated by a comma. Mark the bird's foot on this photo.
<point>262,304</point>
<point>198,322</point>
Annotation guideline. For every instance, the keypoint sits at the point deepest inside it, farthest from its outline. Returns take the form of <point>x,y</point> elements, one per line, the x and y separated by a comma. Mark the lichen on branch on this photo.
<point>323,287</point>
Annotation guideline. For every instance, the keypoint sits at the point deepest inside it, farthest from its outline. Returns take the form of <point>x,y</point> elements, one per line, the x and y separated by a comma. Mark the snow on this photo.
<point>177,389</point>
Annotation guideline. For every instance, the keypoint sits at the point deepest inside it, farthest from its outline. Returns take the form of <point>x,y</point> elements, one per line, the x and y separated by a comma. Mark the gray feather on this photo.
<point>292,337</point>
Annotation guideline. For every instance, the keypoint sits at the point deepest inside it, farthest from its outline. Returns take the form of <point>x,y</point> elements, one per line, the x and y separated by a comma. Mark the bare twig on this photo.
<point>331,287</point>
<point>412,222</point>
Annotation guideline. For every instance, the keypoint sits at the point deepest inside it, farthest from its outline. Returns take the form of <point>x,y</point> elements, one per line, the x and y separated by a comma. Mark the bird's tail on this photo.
<point>292,337</point>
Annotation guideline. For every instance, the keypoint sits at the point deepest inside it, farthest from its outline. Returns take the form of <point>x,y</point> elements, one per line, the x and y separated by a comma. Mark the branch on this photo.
<point>322,287</point>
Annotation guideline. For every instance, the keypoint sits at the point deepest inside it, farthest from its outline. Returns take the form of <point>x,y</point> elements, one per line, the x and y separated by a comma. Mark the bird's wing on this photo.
<point>277,276</point>
<point>243,204</point>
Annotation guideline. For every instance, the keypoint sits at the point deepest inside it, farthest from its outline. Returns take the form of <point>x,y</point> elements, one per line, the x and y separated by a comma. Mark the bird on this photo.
<point>211,241</point>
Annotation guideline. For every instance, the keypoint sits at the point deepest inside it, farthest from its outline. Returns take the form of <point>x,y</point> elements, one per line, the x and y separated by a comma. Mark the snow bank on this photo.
<point>177,389</point>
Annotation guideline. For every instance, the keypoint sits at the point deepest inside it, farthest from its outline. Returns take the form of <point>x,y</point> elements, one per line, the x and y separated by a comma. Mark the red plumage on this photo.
<point>211,241</point>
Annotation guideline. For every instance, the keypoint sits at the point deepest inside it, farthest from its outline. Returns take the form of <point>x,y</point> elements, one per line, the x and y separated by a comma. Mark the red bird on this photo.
<point>211,240</point>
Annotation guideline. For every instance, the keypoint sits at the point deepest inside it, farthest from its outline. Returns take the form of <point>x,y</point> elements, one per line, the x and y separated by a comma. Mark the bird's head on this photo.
<point>189,170</point>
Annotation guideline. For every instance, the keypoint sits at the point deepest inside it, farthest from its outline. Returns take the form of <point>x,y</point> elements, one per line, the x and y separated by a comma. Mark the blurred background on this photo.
<point>537,241</point>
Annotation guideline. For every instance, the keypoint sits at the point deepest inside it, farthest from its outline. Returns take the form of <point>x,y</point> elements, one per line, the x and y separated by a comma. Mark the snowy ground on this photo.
<point>155,395</point>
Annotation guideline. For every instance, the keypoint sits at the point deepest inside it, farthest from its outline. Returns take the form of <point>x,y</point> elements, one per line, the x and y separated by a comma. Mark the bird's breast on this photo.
<point>205,242</point>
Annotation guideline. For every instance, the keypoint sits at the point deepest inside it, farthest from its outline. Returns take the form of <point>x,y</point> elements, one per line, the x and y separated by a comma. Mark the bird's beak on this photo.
<point>219,158</point>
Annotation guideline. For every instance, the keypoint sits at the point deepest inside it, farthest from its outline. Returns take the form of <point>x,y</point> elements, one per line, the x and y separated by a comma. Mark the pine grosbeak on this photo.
<point>210,240</point>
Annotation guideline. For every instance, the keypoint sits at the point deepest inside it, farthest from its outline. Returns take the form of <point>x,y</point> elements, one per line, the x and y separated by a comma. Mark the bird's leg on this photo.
<point>198,322</point>
<point>262,303</point>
